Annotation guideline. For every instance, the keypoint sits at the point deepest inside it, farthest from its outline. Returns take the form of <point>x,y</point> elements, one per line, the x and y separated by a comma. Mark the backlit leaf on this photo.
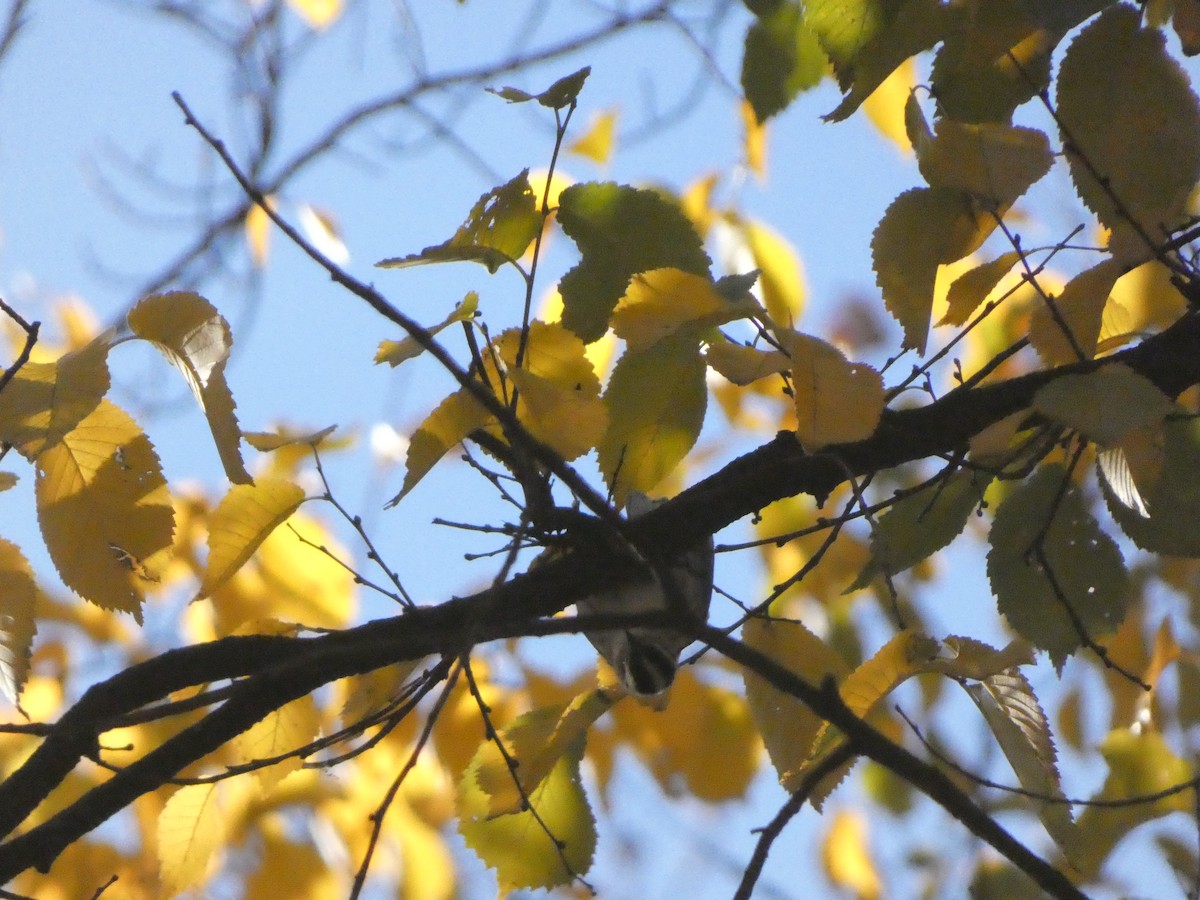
<point>528,852</point>
<point>921,524</point>
<point>781,58</point>
<point>656,401</point>
<point>451,421</point>
<point>257,229</point>
<point>620,231</point>
<point>283,730</point>
<point>321,228</point>
<point>1118,71</point>
<point>1080,308</point>
<point>195,338</point>
<point>597,142</point>
<point>1082,564</point>
<point>570,420</point>
<point>246,515</point>
<point>319,14</point>
<point>190,829</point>
<point>781,278</point>
<point>1104,405</point>
<point>922,229</point>
<point>499,228</point>
<point>46,400</point>
<point>744,365</point>
<point>105,510</point>
<point>395,352</point>
<point>847,858</point>
<point>970,289</point>
<point>18,596</point>
<point>837,401</point>
<point>661,302</point>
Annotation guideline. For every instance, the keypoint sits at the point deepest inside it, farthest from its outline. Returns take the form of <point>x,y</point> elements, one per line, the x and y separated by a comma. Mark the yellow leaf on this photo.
<point>267,441</point>
<point>195,338</point>
<point>905,655</point>
<point>18,597</point>
<point>291,868</point>
<point>1080,310</point>
<point>8,480</point>
<point>662,302</point>
<point>597,142</point>
<point>754,142</point>
<point>190,829</point>
<point>318,14</point>
<point>44,401</point>
<point>847,858</point>
<point>241,522</point>
<point>451,421</point>
<point>922,229</point>
<point>885,106</point>
<point>105,510</point>
<point>656,401</point>
<point>744,365</point>
<point>782,278</point>
<point>535,742</point>
<point>257,228</point>
<point>528,852</point>
<point>288,728</point>
<point>395,352</point>
<point>971,288</point>
<point>568,420</point>
<point>836,401</point>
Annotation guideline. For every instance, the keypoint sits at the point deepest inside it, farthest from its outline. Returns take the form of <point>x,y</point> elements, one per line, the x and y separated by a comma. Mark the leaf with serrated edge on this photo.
<point>395,352</point>
<point>1012,711</point>
<point>18,596</point>
<point>195,338</point>
<point>970,289</point>
<point>1085,564</point>
<point>663,302</point>
<point>527,852</point>
<point>836,401</point>
<point>744,365</point>
<point>105,511</point>
<point>781,57</point>
<point>1080,307</point>
<point>451,421</point>
<point>243,519</point>
<point>44,401</point>
<point>191,827</point>
<point>283,730</point>
<point>1104,405</point>
<point>921,524</point>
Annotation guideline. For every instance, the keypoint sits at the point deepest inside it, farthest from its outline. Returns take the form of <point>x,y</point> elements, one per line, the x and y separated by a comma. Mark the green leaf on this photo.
<point>922,229</point>
<point>620,231</point>
<point>1105,405</point>
<point>1082,563</point>
<point>781,59</point>
<point>922,524</point>
<point>1118,72</point>
<point>500,227</point>
<point>656,402</point>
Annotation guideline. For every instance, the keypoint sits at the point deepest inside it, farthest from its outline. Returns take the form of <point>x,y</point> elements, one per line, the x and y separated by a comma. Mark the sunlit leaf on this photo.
<point>781,278</point>
<point>105,510</point>
<point>780,59</point>
<point>567,419</point>
<point>847,858</point>
<point>246,515</point>
<point>190,829</point>
<point>662,302</point>
<point>1104,405</point>
<point>196,339</point>
<point>885,105</point>
<point>744,365</point>
<point>1117,71</point>
<point>46,400</point>
<point>298,865</point>
<point>970,289</point>
<point>597,142</point>
<point>321,228</point>
<point>283,730</point>
<point>837,401</point>
<point>1083,567</point>
<point>395,352</point>
<point>922,229</point>
<point>257,229</point>
<point>451,421</point>
<point>921,524</point>
<point>1079,309</point>
<point>319,14</point>
<point>620,231</point>
<point>18,596</point>
<point>499,228</point>
<point>656,401</point>
<point>268,441</point>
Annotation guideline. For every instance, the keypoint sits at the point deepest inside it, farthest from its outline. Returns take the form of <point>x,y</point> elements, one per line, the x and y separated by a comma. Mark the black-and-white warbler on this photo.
<point>645,659</point>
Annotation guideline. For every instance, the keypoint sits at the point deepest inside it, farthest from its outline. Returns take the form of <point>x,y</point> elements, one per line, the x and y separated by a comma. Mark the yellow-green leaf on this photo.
<point>395,352</point>
<point>1118,71</point>
<point>744,365</point>
<point>661,302</point>
<point>922,229</point>
<point>780,59</point>
<point>569,420</point>
<point>105,510</point>
<point>970,289</point>
<point>837,401</point>
<point>46,400</point>
<point>656,401</point>
<point>1104,405</point>
<point>196,339</point>
<point>190,829</point>
<point>18,595</point>
<point>499,228</point>
<point>1079,311</point>
<point>243,519</point>
<point>451,421</point>
<point>620,231</point>
<point>288,728</point>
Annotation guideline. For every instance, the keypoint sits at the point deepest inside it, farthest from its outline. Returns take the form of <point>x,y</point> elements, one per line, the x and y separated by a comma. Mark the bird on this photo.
<point>645,659</point>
